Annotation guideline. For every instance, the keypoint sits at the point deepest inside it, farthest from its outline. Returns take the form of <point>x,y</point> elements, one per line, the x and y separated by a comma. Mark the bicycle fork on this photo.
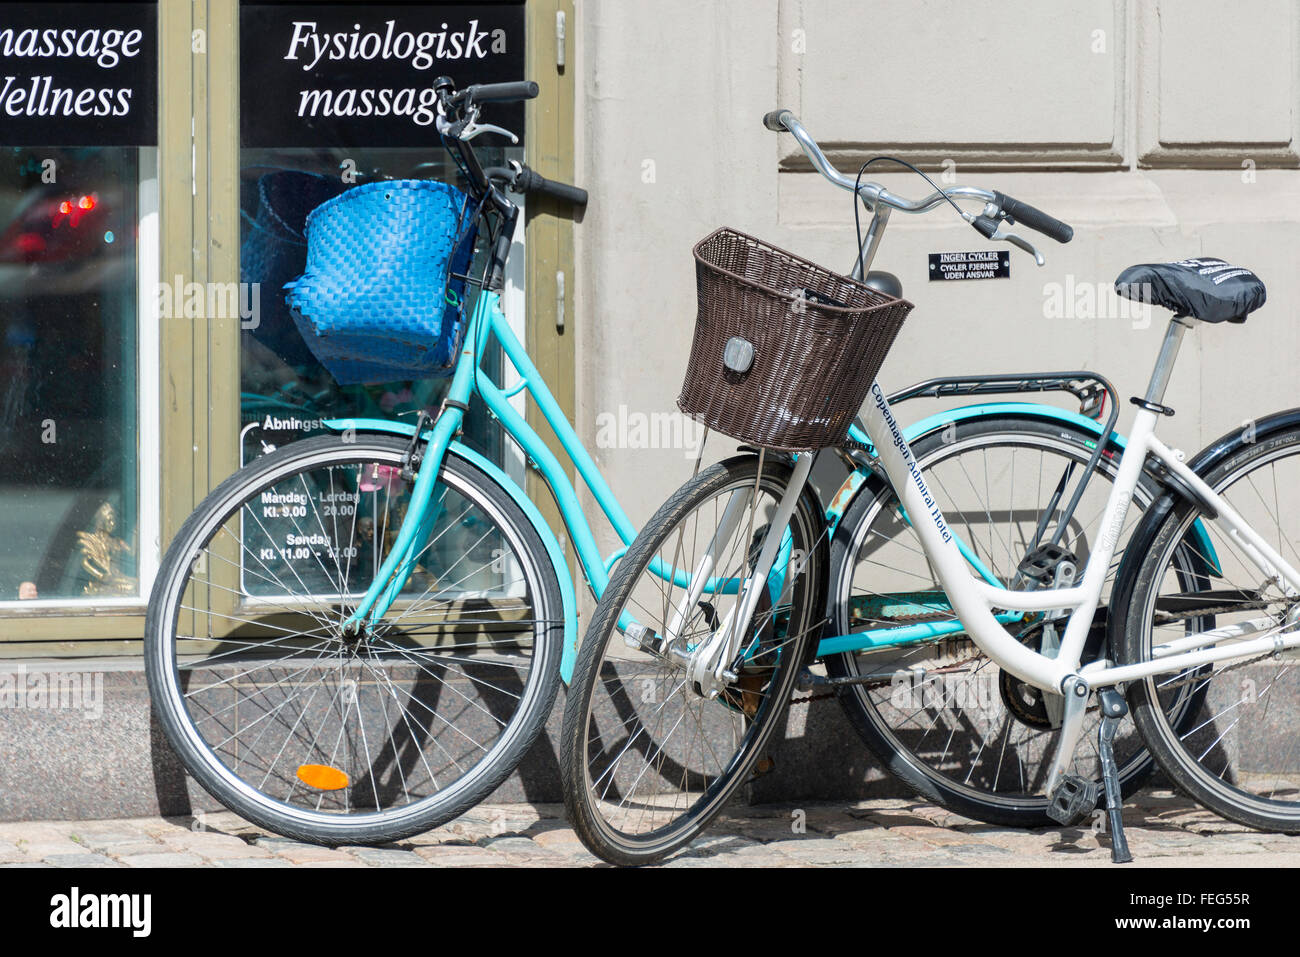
<point>710,664</point>
<point>421,515</point>
<point>421,512</point>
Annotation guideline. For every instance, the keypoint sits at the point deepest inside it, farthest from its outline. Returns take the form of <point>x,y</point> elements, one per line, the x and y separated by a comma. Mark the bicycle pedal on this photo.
<point>1072,800</point>
<point>1039,566</point>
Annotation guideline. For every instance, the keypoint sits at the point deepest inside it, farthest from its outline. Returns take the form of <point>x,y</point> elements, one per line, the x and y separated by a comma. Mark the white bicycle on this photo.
<point>1215,624</point>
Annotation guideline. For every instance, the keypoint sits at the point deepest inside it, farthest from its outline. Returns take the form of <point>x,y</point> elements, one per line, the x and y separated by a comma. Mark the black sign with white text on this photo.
<point>361,74</point>
<point>986,264</point>
<point>78,74</point>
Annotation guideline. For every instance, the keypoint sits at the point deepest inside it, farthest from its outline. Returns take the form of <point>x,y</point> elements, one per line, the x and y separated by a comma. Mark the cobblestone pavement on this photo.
<point>1163,830</point>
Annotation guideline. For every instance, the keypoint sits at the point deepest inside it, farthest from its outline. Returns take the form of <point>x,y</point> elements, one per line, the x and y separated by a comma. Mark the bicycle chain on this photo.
<point>834,692</point>
<point>1167,619</point>
<point>1217,610</point>
<point>1221,671</point>
<point>820,696</point>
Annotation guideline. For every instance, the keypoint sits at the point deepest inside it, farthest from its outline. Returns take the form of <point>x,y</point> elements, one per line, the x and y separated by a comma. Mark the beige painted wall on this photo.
<point>1159,130</point>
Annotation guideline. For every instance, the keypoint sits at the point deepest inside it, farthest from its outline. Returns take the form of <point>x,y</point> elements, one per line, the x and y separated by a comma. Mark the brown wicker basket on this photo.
<point>818,339</point>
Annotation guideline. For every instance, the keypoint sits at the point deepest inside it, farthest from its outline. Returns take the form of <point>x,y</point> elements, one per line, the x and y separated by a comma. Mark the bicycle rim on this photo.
<point>309,731</point>
<point>648,762</point>
<point>942,715</point>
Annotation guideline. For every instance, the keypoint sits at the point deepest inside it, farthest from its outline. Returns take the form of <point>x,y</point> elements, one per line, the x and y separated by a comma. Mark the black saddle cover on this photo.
<point>1208,289</point>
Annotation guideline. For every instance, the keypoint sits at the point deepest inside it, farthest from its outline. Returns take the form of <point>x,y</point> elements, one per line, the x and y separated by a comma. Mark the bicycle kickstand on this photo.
<point>1113,710</point>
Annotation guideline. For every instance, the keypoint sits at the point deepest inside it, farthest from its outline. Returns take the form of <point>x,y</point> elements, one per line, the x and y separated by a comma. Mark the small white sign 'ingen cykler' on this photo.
<point>985,264</point>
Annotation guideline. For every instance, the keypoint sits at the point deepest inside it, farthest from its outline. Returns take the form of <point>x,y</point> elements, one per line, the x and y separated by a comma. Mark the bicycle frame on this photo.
<point>488,321</point>
<point>973,599</point>
<point>898,635</point>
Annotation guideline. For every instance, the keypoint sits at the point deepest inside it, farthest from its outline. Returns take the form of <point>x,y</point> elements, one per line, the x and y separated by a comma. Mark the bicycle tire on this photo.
<point>1226,760</point>
<point>883,721</point>
<point>592,814</point>
<point>403,657</point>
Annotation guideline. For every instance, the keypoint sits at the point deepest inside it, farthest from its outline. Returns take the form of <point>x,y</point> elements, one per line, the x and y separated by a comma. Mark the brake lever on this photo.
<point>473,128</point>
<point>993,227</point>
<point>1024,244</point>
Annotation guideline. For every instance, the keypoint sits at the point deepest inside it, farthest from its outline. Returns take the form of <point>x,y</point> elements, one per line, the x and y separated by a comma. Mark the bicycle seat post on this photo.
<point>1164,366</point>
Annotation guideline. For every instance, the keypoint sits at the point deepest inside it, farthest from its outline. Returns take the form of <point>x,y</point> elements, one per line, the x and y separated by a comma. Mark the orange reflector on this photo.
<point>321,777</point>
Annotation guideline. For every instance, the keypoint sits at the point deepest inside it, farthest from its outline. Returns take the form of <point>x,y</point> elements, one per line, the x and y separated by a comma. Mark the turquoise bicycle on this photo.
<point>358,636</point>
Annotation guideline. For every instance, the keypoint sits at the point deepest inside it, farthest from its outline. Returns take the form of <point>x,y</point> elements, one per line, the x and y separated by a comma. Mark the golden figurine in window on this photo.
<point>102,555</point>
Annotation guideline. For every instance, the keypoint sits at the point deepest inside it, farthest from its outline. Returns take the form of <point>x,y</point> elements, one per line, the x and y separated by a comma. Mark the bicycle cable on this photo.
<point>480,340</point>
<point>857,184</point>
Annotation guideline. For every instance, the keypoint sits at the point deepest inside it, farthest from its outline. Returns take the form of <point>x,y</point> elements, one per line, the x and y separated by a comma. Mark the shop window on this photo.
<point>333,97</point>
<point>78,243</point>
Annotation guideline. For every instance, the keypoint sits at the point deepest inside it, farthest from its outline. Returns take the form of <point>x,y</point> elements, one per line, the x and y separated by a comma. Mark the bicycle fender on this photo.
<point>843,498</point>
<point>1252,432</point>
<point>568,594</point>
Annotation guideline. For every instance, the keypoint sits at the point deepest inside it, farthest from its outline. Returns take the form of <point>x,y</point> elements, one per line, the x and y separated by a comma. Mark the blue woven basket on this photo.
<point>378,301</point>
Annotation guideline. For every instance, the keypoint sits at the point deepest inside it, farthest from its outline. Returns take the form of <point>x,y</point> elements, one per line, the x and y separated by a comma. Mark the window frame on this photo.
<point>197,363</point>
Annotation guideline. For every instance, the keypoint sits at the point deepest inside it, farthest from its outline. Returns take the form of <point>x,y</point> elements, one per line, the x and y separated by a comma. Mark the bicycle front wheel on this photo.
<point>648,758</point>
<point>322,735</point>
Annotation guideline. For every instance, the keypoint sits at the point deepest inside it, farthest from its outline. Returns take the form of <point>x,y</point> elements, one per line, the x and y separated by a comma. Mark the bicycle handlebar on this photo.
<point>871,193</point>
<point>1034,218</point>
<point>457,124</point>
<point>458,115</point>
<point>500,92</point>
<point>998,206</point>
<point>530,182</point>
<point>524,180</point>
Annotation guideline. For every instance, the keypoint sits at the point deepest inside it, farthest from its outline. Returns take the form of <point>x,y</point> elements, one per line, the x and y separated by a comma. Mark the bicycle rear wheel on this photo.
<point>328,737</point>
<point>941,715</point>
<point>647,762</point>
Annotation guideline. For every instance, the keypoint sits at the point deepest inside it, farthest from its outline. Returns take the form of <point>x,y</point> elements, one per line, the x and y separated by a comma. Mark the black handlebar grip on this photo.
<point>1035,218</point>
<point>502,92</point>
<point>529,182</point>
<point>773,121</point>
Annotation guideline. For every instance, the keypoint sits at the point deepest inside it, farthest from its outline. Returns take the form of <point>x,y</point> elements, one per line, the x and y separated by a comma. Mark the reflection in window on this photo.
<point>68,365</point>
